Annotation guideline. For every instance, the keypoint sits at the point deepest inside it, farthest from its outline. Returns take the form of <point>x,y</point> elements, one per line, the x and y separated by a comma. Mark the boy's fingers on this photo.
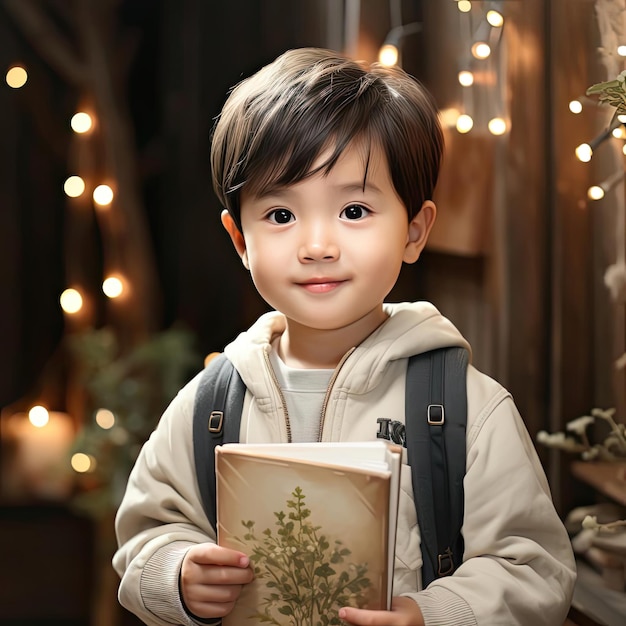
<point>404,612</point>
<point>211,554</point>
<point>361,617</point>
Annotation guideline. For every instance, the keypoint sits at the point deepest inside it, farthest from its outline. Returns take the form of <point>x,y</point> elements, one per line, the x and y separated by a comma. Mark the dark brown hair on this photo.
<point>276,123</point>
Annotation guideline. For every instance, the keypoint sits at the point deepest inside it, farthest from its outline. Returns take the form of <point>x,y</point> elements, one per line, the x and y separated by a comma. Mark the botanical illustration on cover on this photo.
<point>316,536</point>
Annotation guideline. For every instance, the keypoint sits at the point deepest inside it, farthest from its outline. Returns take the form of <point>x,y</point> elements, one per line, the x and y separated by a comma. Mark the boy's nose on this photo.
<point>318,246</point>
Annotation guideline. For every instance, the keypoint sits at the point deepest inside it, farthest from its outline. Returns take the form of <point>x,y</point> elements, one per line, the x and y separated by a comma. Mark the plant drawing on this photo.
<point>305,572</point>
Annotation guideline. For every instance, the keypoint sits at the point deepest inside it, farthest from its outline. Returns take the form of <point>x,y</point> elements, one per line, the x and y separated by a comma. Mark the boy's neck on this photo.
<point>312,348</point>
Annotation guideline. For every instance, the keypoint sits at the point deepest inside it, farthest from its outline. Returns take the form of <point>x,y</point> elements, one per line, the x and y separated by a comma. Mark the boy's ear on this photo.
<point>419,229</point>
<point>235,236</point>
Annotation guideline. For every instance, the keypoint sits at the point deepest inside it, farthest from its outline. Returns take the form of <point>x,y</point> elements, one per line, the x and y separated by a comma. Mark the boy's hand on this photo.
<point>404,612</point>
<point>211,579</point>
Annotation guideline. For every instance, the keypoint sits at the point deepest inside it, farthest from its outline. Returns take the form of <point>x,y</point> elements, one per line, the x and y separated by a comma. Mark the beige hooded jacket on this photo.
<point>518,566</point>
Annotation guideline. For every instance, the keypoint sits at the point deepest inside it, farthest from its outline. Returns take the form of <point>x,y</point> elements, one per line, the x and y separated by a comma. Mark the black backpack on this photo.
<point>435,420</point>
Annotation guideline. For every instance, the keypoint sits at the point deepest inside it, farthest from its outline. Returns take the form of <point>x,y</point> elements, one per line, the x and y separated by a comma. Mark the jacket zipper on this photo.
<point>326,397</point>
<point>280,393</point>
<point>330,386</point>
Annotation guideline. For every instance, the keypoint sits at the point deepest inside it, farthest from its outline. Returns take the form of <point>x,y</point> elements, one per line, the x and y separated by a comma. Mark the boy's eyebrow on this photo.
<point>359,185</point>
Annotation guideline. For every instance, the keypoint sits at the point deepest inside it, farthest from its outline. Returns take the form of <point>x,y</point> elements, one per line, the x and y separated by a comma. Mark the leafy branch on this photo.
<point>305,571</point>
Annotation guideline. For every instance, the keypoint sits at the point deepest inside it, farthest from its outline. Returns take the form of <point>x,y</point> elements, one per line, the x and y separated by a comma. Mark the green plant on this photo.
<point>135,387</point>
<point>305,572</point>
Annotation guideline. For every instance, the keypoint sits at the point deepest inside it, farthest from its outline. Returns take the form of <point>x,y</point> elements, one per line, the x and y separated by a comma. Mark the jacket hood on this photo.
<point>412,328</point>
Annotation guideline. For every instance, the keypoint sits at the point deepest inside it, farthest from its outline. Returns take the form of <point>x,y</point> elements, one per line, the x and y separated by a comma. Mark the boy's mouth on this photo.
<point>321,285</point>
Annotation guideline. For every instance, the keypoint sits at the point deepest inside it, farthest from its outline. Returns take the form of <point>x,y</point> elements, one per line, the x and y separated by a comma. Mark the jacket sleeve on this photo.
<point>518,567</point>
<point>160,518</point>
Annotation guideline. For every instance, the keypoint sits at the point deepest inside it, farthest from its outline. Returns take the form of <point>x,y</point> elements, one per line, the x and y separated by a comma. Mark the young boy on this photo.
<point>326,169</point>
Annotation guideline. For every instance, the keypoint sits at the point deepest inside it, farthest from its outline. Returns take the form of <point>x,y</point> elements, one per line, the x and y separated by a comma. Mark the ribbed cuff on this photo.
<point>159,583</point>
<point>442,607</point>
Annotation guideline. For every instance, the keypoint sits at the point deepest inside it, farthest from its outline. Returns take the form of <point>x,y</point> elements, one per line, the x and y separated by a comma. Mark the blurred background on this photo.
<point>116,277</point>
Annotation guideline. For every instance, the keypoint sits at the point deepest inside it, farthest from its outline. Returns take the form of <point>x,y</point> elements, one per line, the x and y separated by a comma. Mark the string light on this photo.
<point>16,77</point>
<point>465,6</point>
<point>619,133</point>
<point>464,123</point>
<point>71,301</point>
<point>105,419</point>
<point>497,126</point>
<point>597,192</point>
<point>466,78</point>
<point>495,18</point>
<point>388,55</point>
<point>83,463</point>
<point>103,195</point>
<point>81,122</point>
<point>576,106</point>
<point>621,50</point>
<point>38,416</point>
<point>113,287</point>
<point>74,186</point>
<point>481,50</point>
<point>584,152</point>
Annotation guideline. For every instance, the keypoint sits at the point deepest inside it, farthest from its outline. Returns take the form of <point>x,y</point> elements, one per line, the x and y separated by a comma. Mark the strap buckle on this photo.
<point>436,415</point>
<point>445,563</point>
<point>216,421</point>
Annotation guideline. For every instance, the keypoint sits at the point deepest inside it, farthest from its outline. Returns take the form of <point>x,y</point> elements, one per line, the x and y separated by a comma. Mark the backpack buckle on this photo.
<point>445,565</point>
<point>436,415</point>
<point>216,420</point>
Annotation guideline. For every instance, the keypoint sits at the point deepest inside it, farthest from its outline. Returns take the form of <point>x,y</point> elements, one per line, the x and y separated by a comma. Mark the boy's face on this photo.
<point>326,251</point>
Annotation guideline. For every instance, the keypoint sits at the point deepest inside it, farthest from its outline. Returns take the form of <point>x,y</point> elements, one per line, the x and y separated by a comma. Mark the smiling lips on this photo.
<point>321,285</point>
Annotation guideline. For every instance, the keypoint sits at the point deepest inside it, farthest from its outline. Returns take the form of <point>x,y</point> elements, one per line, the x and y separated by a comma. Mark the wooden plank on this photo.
<point>608,478</point>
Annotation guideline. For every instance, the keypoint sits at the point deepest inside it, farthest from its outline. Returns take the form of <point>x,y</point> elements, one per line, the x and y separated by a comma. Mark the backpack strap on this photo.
<point>436,417</point>
<point>216,420</point>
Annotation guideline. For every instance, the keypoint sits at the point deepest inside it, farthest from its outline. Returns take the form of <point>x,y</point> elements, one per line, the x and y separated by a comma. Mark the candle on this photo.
<point>37,446</point>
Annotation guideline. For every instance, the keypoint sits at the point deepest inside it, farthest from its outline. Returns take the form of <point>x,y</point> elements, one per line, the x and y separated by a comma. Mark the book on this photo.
<point>318,521</point>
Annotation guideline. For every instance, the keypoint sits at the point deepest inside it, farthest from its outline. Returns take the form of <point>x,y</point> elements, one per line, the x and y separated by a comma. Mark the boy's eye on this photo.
<point>355,212</point>
<point>280,216</point>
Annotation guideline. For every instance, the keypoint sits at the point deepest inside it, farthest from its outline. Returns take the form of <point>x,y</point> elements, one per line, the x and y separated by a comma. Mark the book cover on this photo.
<point>318,523</point>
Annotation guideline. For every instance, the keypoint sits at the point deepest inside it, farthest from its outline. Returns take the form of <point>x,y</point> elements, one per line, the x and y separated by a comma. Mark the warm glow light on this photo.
<point>618,132</point>
<point>74,186</point>
<point>81,122</point>
<point>595,193</point>
<point>388,55</point>
<point>497,126</point>
<point>16,77</point>
<point>465,6</point>
<point>584,152</point>
<point>624,149</point>
<point>82,463</point>
<point>622,118</point>
<point>481,50</point>
<point>449,117</point>
<point>466,78</point>
<point>464,123</point>
<point>38,416</point>
<point>576,106</point>
<point>113,287</point>
<point>495,18</point>
<point>103,195</point>
<point>71,301</point>
<point>621,50</point>
<point>105,419</point>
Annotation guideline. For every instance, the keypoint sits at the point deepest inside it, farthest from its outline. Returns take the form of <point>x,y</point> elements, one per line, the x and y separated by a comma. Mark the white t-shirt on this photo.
<point>304,391</point>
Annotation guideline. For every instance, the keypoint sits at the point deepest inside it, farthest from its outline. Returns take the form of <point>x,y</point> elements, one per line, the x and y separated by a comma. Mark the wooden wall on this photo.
<point>530,295</point>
